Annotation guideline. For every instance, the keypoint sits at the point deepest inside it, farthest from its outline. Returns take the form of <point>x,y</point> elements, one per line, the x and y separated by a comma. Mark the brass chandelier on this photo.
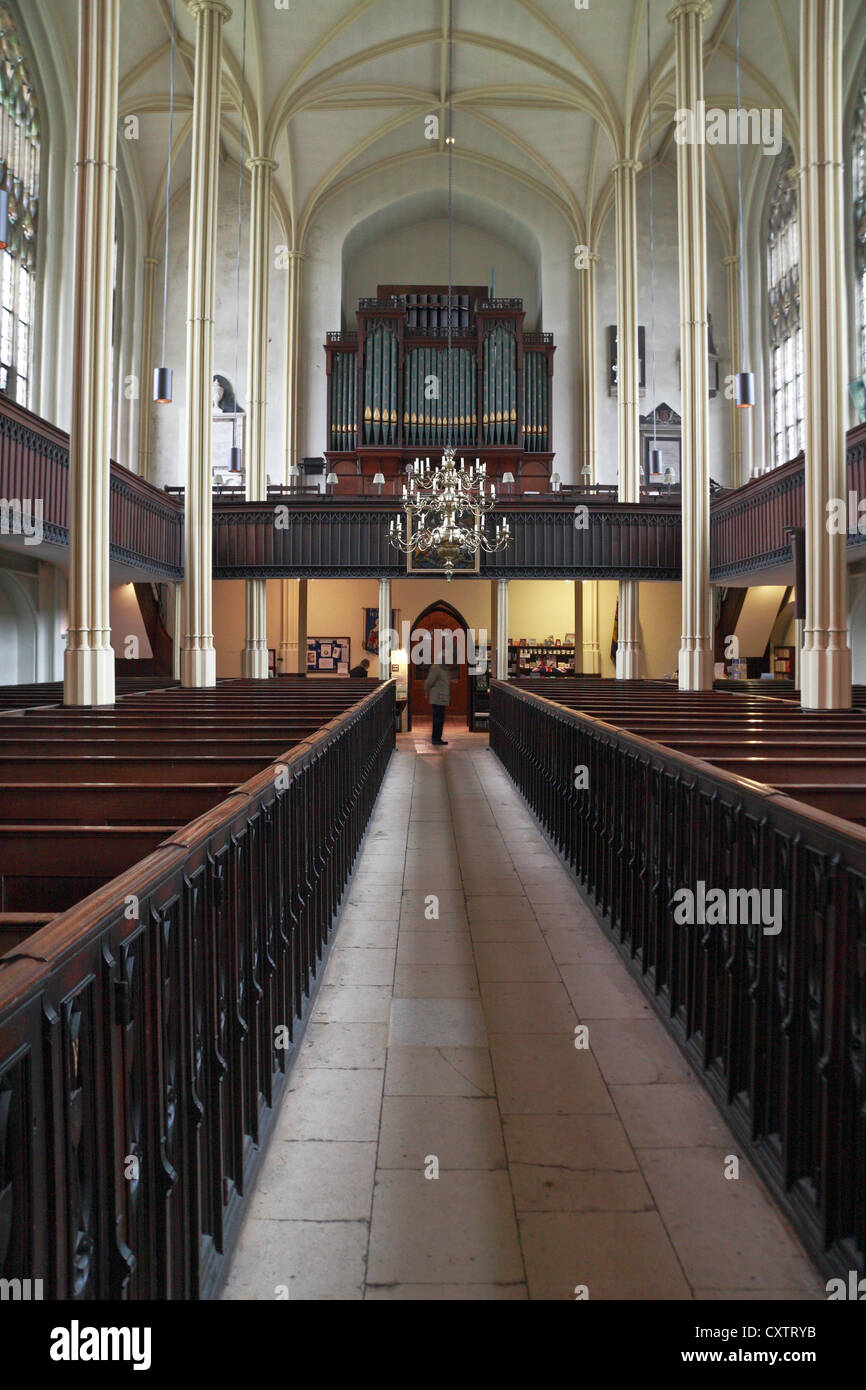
<point>446,508</point>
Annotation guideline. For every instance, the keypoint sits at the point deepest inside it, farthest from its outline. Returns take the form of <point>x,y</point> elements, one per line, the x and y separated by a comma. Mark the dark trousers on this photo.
<point>438,721</point>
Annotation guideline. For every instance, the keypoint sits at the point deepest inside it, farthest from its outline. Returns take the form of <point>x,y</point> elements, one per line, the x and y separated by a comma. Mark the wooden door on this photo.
<point>443,620</point>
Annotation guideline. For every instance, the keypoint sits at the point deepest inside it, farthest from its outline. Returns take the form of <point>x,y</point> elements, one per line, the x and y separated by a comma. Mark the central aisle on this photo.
<point>449,1040</point>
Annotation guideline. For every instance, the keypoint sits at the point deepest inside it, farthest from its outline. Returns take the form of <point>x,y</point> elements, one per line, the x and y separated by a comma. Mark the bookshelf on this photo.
<point>521,659</point>
<point>783,663</point>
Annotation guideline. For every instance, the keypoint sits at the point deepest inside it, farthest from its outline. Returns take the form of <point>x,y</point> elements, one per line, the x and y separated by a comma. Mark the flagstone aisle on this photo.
<point>449,1040</point>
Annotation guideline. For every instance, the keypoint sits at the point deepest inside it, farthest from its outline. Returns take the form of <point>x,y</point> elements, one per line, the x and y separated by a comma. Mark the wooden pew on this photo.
<point>816,756</point>
<point>87,793</point>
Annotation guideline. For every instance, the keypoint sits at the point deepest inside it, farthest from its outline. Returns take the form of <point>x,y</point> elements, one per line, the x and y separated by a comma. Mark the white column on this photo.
<point>88,673</point>
<point>198,657</point>
<point>384,629</point>
<point>627,398</point>
<point>591,647</point>
<point>578,626</point>
<point>501,672</point>
<point>735,412</point>
<point>288,651</point>
<point>293,330</point>
<point>177,625</point>
<point>147,365</point>
<point>292,654</point>
<point>826,659</point>
<point>254,660</point>
<point>696,647</point>
<point>586,386</point>
<point>301,661</point>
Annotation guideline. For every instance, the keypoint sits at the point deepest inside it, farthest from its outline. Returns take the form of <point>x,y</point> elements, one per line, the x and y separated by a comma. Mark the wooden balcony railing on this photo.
<point>145,525</point>
<point>748,525</point>
<point>347,537</point>
<point>774,1024</point>
<point>146,1033</point>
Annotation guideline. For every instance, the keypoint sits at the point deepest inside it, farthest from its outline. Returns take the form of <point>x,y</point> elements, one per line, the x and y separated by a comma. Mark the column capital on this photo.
<point>197,7</point>
<point>619,164</point>
<point>701,8</point>
<point>297,255</point>
<point>151,260</point>
<point>730,260</point>
<point>261,161</point>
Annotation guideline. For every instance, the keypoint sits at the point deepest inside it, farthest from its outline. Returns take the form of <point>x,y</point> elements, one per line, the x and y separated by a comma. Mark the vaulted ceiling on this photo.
<point>545,94</point>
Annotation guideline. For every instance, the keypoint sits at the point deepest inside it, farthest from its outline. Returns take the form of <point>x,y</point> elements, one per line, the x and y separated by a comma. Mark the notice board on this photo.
<point>329,655</point>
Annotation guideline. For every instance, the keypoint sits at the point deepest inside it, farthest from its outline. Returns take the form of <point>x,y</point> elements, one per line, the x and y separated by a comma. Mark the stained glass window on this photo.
<point>19,176</point>
<point>859,172</point>
<point>786,338</point>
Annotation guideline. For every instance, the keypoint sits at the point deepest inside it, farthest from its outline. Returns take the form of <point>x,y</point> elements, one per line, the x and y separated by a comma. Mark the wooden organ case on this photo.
<point>393,396</point>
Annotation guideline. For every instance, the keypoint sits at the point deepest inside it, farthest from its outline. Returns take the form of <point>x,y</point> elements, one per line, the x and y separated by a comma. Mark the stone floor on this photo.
<point>443,1041</point>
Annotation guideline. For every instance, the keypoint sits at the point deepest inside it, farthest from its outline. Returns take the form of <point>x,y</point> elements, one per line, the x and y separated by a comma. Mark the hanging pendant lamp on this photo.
<point>236,461</point>
<point>744,384</point>
<point>163,377</point>
<point>654,462</point>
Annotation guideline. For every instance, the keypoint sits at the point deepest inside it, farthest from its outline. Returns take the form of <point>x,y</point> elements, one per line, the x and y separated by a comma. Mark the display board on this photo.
<point>329,655</point>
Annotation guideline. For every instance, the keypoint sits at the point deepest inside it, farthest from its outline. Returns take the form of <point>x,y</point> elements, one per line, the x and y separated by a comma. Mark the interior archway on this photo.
<point>18,636</point>
<point>449,633</point>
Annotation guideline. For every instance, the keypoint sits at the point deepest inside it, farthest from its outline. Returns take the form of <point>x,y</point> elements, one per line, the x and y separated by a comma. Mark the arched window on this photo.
<point>19,175</point>
<point>859,172</point>
<point>786,338</point>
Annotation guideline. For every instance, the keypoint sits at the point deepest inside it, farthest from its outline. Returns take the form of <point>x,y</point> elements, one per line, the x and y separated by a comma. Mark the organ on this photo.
<point>394,392</point>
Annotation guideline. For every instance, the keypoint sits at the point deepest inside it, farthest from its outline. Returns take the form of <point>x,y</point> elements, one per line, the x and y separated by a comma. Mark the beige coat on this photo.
<point>438,685</point>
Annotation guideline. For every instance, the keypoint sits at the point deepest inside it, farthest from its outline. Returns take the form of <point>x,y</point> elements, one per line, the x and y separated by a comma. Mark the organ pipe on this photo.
<point>371,400</point>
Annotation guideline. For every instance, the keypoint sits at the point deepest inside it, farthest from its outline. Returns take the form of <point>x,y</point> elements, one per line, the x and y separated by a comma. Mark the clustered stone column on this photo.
<point>147,364</point>
<point>735,412</point>
<point>293,332</point>
<point>696,647</point>
<point>501,629</point>
<point>590,657</point>
<point>198,656</point>
<point>289,657</point>
<point>384,629</point>
<point>88,676</point>
<point>628,402</point>
<point>254,662</point>
<point>825,668</point>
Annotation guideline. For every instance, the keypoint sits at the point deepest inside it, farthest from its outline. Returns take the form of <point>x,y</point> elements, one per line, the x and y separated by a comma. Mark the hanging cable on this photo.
<point>162,376</point>
<point>654,452</point>
<point>449,140</point>
<point>745,380</point>
<point>235,446</point>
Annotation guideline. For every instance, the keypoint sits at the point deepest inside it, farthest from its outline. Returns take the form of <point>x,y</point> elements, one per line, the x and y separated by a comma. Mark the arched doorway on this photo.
<point>439,618</point>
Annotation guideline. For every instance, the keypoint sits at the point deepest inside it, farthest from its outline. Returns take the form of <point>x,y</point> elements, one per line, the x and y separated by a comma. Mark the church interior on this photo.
<point>433,651</point>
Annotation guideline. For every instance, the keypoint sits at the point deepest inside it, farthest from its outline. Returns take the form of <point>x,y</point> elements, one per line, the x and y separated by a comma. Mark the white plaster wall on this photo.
<point>419,255</point>
<point>667,322</point>
<point>32,620</point>
<point>168,457</point>
<point>494,199</point>
<point>126,621</point>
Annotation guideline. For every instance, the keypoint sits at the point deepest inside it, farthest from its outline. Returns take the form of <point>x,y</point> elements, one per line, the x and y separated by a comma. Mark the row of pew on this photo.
<point>31,695</point>
<point>87,793</point>
<point>817,757</point>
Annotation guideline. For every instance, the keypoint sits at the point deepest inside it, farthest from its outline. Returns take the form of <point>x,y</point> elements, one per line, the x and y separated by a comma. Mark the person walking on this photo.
<point>437,688</point>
